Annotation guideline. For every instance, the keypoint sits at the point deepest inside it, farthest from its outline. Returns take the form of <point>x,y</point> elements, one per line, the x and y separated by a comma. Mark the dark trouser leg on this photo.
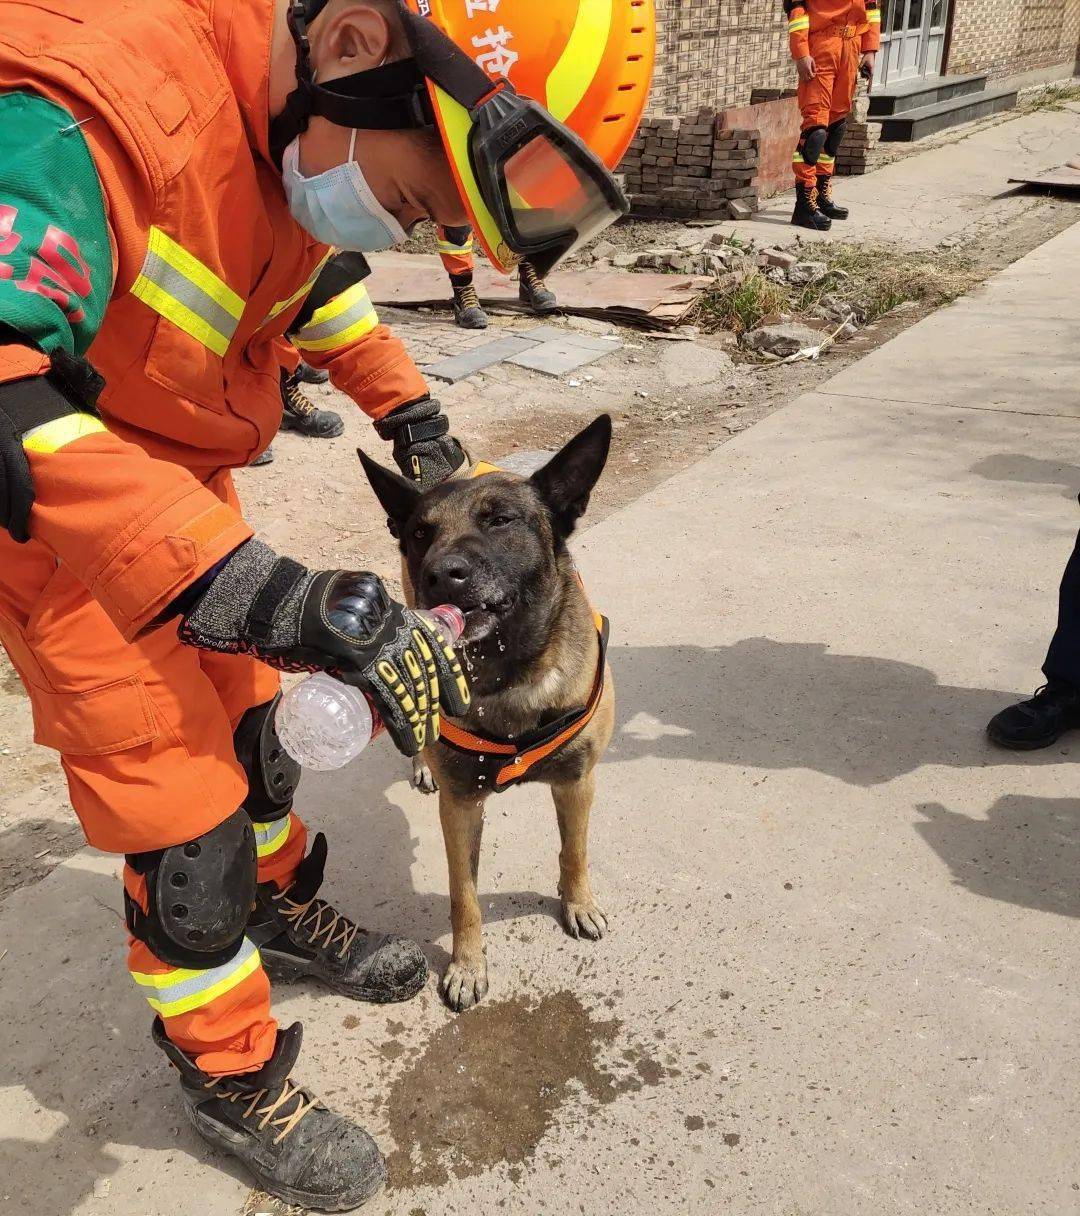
<point>1063,657</point>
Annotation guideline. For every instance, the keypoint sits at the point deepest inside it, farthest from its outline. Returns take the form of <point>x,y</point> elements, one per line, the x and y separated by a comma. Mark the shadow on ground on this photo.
<point>1029,470</point>
<point>778,705</point>
<point>1026,851</point>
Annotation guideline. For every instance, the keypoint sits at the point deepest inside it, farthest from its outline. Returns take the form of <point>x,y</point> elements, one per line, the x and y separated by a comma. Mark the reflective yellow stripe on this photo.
<point>177,286</point>
<point>344,319</point>
<point>873,16</point>
<point>185,989</point>
<point>447,247</point>
<point>301,291</point>
<point>825,159</point>
<point>796,158</point>
<point>579,63</point>
<point>52,436</point>
<point>796,24</point>
<point>270,837</point>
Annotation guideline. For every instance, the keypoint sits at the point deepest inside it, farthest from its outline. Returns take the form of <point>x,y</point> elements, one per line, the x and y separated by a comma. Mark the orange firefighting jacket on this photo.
<point>209,271</point>
<point>806,17</point>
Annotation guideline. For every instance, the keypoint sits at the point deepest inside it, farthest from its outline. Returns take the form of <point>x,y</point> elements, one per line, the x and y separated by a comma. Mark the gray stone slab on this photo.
<point>552,333</point>
<point>469,362</point>
<point>556,358</point>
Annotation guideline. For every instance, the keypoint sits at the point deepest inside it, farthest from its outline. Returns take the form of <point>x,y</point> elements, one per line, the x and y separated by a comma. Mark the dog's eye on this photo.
<point>500,521</point>
<point>422,532</point>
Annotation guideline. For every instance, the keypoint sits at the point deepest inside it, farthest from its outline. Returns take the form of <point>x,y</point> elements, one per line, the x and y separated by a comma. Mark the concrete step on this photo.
<point>910,125</point>
<point>926,91</point>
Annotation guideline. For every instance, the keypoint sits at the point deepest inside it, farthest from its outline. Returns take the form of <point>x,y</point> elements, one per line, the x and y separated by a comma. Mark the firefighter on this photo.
<point>456,251</point>
<point>163,219</point>
<point>832,43</point>
<point>298,412</point>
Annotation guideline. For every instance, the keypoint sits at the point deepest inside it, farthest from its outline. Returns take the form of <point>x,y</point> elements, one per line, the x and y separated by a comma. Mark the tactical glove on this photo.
<point>424,449</point>
<point>339,621</point>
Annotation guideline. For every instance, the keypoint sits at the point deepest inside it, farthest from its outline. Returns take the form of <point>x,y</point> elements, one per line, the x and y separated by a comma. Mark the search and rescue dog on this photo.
<point>542,704</point>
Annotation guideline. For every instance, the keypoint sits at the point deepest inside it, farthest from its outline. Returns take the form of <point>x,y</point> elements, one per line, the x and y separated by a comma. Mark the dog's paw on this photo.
<point>585,919</point>
<point>464,984</point>
<point>422,779</point>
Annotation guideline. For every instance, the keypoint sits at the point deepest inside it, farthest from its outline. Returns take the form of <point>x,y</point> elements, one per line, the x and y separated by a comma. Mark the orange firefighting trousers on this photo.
<point>828,96</point>
<point>456,251</point>
<point>145,735</point>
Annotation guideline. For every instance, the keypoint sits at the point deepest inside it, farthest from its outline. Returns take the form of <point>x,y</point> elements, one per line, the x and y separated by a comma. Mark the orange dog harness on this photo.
<point>504,762</point>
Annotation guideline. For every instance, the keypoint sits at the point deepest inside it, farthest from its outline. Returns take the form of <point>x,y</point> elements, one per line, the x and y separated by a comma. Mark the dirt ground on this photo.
<point>672,401</point>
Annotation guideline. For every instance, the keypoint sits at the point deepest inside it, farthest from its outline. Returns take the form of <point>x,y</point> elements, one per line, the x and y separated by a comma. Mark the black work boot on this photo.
<point>807,213</point>
<point>294,1147</point>
<point>468,311</point>
<point>311,375</point>
<point>299,935</point>
<point>1029,725</point>
<point>300,414</point>
<point>533,291</point>
<point>827,205</point>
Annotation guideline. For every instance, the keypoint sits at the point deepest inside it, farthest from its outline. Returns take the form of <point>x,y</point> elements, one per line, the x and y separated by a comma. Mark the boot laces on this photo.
<point>527,272</point>
<point>824,189</point>
<point>467,297</point>
<point>272,1114</point>
<point>323,927</point>
<point>296,402</point>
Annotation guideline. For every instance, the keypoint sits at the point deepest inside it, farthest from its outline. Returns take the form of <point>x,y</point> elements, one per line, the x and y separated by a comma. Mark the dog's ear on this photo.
<point>567,480</point>
<point>397,495</point>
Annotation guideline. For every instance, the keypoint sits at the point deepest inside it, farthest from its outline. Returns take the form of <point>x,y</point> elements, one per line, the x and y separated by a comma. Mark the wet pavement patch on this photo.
<point>488,1084</point>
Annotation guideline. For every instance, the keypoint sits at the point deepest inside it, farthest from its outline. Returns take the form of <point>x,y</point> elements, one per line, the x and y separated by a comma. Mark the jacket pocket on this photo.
<point>184,366</point>
<point>103,720</point>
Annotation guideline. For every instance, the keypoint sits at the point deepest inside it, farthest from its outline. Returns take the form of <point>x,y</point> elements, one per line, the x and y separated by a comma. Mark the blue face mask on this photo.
<point>338,207</point>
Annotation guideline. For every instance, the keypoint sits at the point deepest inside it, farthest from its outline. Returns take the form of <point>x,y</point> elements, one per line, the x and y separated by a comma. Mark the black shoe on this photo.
<point>299,935</point>
<point>826,204</point>
<point>294,1147</point>
<point>533,291</point>
<point>299,414</point>
<point>468,312</point>
<point>1029,725</point>
<point>311,375</point>
<point>807,213</point>
<point>266,456</point>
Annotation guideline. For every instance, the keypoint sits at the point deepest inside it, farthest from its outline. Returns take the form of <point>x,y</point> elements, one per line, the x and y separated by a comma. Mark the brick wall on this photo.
<point>1005,37</point>
<point>716,52</point>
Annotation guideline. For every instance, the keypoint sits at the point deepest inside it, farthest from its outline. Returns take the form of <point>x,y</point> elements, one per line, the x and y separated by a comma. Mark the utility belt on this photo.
<point>840,31</point>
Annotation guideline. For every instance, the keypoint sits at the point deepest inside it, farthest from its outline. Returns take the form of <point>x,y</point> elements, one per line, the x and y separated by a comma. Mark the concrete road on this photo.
<point>842,971</point>
<point>956,189</point>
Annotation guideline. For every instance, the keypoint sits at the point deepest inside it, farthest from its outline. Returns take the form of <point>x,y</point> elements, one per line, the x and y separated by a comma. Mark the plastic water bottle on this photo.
<point>324,723</point>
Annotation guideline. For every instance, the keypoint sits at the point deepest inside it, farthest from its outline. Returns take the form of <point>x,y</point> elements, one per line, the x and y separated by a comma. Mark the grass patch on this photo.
<point>867,281</point>
<point>743,306</point>
<point>1053,97</point>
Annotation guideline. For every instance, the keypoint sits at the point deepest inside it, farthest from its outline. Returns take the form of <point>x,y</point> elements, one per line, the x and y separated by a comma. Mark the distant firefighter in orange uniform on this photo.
<point>832,42</point>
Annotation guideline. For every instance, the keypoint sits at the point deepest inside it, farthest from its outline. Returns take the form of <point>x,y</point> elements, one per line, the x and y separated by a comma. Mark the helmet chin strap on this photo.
<point>390,97</point>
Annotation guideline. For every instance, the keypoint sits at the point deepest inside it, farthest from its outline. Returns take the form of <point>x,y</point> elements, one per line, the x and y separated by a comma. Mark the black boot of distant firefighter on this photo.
<point>807,213</point>
<point>827,205</point>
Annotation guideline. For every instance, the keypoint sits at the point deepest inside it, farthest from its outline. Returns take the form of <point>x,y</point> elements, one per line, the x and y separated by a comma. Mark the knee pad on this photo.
<point>811,144</point>
<point>272,774</point>
<point>458,236</point>
<point>835,135</point>
<point>199,896</point>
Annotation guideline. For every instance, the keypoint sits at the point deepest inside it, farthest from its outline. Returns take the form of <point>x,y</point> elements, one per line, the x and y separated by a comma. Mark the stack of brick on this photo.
<point>859,151</point>
<point>691,168</point>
